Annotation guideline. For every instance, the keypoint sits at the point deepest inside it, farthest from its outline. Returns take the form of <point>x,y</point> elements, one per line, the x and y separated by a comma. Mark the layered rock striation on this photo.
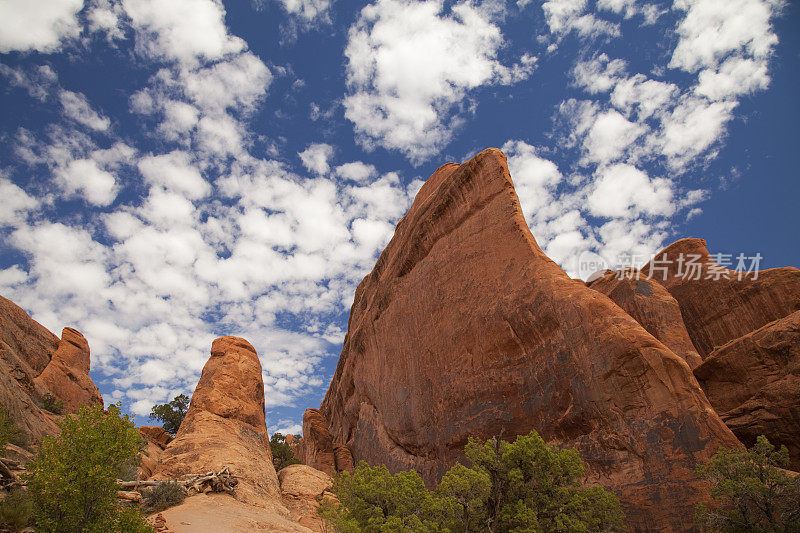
<point>465,328</point>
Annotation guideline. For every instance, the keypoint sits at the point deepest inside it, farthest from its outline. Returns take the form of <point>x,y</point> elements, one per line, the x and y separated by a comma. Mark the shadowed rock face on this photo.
<point>719,307</point>
<point>67,374</point>
<point>647,302</point>
<point>465,328</point>
<point>318,449</point>
<point>754,384</point>
<point>225,425</point>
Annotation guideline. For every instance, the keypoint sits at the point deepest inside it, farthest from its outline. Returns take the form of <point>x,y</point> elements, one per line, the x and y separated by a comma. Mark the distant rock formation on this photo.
<point>754,384</point>
<point>465,328</point>
<point>719,304</point>
<point>34,363</point>
<point>317,448</point>
<point>649,303</point>
<point>67,373</point>
<point>225,425</point>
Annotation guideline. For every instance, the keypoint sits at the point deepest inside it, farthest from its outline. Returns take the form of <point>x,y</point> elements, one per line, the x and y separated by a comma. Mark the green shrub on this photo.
<point>48,402</point>
<point>751,490</point>
<point>171,414</point>
<point>15,510</point>
<point>282,454</point>
<point>162,497</point>
<point>524,486</point>
<point>8,431</point>
<point>72,479</point>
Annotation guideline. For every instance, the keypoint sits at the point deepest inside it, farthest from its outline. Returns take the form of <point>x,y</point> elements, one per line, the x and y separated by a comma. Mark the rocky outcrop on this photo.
<point>649,303</point>
<point>754,384</point>
<point>34,363</point>
<point>318,449</point>
<point>156,439</point>
<point>719,304</point>
<point>465,328</point>
<point>67,373</point>
<point>157,435</point>
<point>303,488</point>
<point>225,425</point>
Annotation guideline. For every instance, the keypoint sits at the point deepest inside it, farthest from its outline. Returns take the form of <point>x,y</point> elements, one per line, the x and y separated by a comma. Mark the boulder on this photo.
<point>67,373</point>
<point>317,448</point>
<point>465,328</point>
<point>649,303</point>
<point>225,425</point>
<point>157,435</point>
<point>303,488</point>
<point>719,304</point>
<point>754,384</point>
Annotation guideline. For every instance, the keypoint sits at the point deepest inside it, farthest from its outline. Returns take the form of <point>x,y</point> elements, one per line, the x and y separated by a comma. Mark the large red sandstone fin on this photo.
<point>226,426</point>
<point>465,328</point>
<point>649,303</point>
<point>317,448</point>
<point>31,341</point>
<point>67,374</point>
<point>719,304</point>
<point>754,384</point>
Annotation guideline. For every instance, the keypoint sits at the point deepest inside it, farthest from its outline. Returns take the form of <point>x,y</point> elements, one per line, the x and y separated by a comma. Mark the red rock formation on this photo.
<point>719,306</point>
<point>651,306</point>
<point>67,374</point>
<point>29,340</point>
<point>318,449</point>
<point>225,425</point>
<point>754,384</point>
<point>157,435</point>
<point>465,328</point>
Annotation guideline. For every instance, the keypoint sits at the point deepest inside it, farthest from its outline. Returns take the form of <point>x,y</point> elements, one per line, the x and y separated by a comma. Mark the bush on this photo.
<point>171,414</point>
<point>524,486</point>
<point>162,497</point>
<point>15,510</point>
<point>48,402</point>
<point>751,490</point>
<point>72,479</point>
<point>8,431</point>
<point>282,454</point>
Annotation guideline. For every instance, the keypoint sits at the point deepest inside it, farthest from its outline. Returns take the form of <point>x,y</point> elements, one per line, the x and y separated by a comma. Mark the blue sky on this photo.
<point>176,171</point>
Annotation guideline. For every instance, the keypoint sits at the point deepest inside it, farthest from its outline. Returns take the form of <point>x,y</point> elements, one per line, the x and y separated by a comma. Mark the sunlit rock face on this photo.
<point>466,328</point>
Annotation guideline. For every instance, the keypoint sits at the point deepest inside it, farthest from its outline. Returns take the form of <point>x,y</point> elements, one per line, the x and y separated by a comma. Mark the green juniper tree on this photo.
<point>171,414</point>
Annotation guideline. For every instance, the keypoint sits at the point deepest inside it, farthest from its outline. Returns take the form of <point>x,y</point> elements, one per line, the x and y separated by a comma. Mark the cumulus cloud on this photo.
<point>16,204</point>
<point>85,178</point>
<point>315,158</point>
<point>39,25</point>
<point>77,107</point>
<point>410,65</point>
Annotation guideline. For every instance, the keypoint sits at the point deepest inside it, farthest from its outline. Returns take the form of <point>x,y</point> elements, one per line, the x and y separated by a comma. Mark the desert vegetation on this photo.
<point>171,414</point>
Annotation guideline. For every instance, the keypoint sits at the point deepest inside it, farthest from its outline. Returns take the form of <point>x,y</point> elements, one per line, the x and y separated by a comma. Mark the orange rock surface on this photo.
<point>67,374</point>
<point>649,303</point>
<point>754,384</point>
<point>317,448</point>
<point>465,328</point>
<point>225,425</point>
<point>717,306</point>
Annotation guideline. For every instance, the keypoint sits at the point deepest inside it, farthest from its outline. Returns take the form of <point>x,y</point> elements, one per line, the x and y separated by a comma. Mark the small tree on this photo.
<point>72,479</point>
<point>171,414</point>
<point>751,490</point>
<point>282,454</point>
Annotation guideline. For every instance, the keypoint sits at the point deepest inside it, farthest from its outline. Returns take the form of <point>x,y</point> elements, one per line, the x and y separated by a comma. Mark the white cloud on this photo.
<point>38,81</point>
<point>237,83</point>
<point>175,172</point>
<point>609,137</point>
<point>39,25</point>
<point>16,204</point>
<point>77,107</point>
<point>692,127</point>
<point>409,66</point>
<point>735,77</point>
<point>712,30</point>
<point>183,30</point>
<point>623,191</point>
<point>565,16</point>
<point>316,157</point>
<point>308,10</point>
<point>85,178</point>
<point>356,171</point>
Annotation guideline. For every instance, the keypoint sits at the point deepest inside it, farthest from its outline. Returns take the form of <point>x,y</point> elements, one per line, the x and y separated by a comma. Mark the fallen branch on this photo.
<point>129,496</point>
<point>222,481</point>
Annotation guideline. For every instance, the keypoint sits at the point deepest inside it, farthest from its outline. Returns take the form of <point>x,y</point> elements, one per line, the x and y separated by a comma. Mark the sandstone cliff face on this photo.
<point>465,328</point>
<point>754,384</point>
<point>35,363</point>
<point>225,425</point>
<point>318,450</point>
<point>67,373</point>
<point>649,303</point>
<point>719,307</point>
